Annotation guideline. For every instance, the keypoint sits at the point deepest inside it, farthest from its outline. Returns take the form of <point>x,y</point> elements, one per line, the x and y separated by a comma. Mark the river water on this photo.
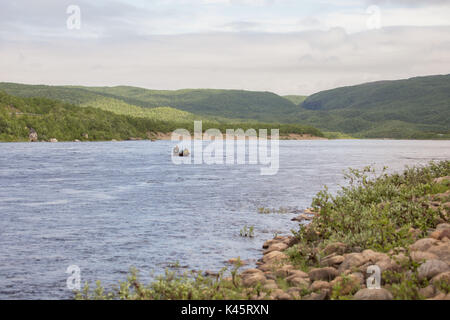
<point>107,206</point>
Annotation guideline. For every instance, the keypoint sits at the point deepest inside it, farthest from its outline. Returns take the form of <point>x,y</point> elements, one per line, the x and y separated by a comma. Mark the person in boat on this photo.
<point>184,153</point>
<point>176,150</point>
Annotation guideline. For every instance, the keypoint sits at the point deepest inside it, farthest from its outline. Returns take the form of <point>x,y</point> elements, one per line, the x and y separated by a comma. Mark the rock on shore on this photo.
<point>342,272</point>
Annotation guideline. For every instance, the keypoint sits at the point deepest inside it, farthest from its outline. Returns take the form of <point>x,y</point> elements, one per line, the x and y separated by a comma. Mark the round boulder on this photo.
<point>432,268</point>
<point>325,274</point>
<point>373,294</point>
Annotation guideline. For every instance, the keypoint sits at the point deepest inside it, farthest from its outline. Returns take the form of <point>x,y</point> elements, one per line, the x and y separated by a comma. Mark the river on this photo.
<point>107,206</point>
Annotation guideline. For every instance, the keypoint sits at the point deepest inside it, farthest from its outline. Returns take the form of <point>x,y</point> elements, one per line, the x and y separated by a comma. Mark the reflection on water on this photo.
<point>107,206</point>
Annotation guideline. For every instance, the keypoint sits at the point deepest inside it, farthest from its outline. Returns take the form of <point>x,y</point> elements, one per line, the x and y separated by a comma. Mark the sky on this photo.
<point>283,46</point>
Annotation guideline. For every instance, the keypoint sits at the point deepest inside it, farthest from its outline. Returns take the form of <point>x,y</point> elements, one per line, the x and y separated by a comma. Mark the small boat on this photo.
<point>183,153</point>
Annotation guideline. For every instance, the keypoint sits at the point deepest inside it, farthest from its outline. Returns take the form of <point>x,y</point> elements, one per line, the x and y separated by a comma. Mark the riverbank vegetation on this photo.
<point>396,222</point>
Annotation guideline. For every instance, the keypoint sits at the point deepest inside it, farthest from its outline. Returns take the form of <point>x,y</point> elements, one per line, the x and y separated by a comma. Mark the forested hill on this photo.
<point>416,108</point>
<point>412,108</point>
<point>235,104</point>
<point>210,103</point>
<point>66,122</point>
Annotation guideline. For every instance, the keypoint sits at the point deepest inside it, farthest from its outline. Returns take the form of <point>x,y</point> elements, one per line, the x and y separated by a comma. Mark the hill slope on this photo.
<point>234,104</point>
<point>203,103</point>
<point>297,100</point>
<point>56,119</point>
<point>416,108</point>
<point>85,98</point>
<point>66,122</point>
<point>412,108</point>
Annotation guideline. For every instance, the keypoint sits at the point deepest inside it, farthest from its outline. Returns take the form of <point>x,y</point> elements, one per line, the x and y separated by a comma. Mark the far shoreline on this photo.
<point>160,136</point>
<point>282,138</point>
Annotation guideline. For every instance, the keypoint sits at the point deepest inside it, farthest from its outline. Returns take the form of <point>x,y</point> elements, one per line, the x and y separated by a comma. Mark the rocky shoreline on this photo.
<point>154,136</point>
<point>381,237</point>
<point>347,269</point>
<point>344,272</point>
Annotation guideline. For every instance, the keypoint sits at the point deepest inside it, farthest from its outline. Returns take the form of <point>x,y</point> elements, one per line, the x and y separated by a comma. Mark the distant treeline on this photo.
<point>67,122</point>
<point>416,108</point>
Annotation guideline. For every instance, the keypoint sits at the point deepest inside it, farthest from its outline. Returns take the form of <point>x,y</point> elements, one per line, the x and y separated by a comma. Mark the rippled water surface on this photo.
<point>107,206</point>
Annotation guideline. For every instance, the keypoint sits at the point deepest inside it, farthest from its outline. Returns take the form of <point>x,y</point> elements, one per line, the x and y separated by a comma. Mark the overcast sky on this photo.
<point>284,46</point>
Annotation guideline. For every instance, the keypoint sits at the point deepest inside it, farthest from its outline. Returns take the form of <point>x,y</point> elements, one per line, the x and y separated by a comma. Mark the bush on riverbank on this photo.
<point>174,286</point>
<point>377,212</point>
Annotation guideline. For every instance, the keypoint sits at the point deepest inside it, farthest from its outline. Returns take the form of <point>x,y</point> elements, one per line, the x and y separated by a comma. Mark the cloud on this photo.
<point>46,20</point>
<point>242,26</point>
<point>294,63</point>
<point>419,3</point>
<point>273,45</point>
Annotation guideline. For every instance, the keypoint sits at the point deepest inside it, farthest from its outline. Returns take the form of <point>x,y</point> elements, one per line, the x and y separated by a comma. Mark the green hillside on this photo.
<point>120,107</point>
<point>297,100</point>
<point>85,98</point>
<point>416,108</point>
<point>67,122</point>
<point>208,104</point>
<point>233,104</point>
<point>413,108</point>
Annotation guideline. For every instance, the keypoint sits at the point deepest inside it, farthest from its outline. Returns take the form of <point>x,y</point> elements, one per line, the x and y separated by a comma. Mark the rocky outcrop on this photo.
<point>299,282</point>
<point>326,274</point>
<point>251,277</point>
<point>274,257</point>
<point>32,136</point>
<point>278,246</point>
<point>432,268</point>
<point>342,271</point>
<point>352,260</point>
<point>423,244</point>
<point>320,285</point>
<point>335,247</point>
<point>373,294</point>
<point>348,284</point>
<point>332,260</point>
<point>335,270</point>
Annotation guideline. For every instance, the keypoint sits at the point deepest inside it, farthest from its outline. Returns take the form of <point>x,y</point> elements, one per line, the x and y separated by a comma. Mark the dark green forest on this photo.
<point>416,108</point>
<point>67,122</point>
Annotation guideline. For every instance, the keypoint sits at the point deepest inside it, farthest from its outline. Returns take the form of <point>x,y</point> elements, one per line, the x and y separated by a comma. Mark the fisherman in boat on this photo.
<point>182,153</point>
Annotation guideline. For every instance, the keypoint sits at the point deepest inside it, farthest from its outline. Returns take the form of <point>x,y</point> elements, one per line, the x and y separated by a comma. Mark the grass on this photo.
<point>247,232</point>
<point>173,286</point>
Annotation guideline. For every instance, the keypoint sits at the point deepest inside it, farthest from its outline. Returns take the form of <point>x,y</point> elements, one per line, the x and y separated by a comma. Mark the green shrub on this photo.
<point>377,211</point>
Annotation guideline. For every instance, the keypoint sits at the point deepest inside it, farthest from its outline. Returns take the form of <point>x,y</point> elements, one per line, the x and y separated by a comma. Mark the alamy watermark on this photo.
<point>73,281</point>
<point>374,280</point>
<point>73,22</point>
<point>261,150</point>
<point>374,20</point>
